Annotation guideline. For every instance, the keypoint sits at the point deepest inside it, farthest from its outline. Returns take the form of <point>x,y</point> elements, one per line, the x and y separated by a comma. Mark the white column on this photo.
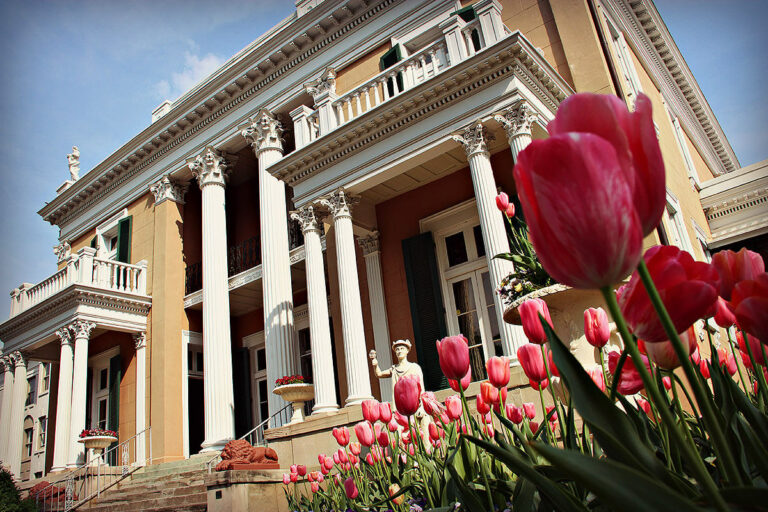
<point>263,134</point>
<point>358,383</point>
<point>370,245</point>
<point>517,122</point>
<point>211,168</point>
<point>140,341</point>
<point>317,303</point>
<point>16,424</point>
<point>492,225</point>
<point>6,364</point>
<point>63,402</point>
<point>82,333</point>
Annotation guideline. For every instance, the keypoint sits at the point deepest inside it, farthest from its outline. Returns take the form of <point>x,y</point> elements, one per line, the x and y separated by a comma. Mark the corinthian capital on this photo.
<point>263,132</point>
<point>167,190</point>
<point>306,218</point>
<point>82,328</point>
<point>326,84</point>
<point>5,364</point>
<point>65,335</point>
<point>211,167</point>
<point>140,339</point>
<point>339,203</point>
<point>16,359</point>
<point>474,138</point>
<point>369,243</point>
<point>517,120</point>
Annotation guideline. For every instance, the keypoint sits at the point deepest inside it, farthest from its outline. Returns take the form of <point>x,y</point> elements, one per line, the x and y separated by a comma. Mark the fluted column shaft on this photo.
<point>370,245</point>
<point>63,437</point>
<point>5,413</point>
<point>263,133</point>
<point>16,424</point>
<point>210,168</point>
<point>358,383</point>
<point>140,341</point>
<point>81,331</point>
<point>492,225</point>
<point>317,302</point>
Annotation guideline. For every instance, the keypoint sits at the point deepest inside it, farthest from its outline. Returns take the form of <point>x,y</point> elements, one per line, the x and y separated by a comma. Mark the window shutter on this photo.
<point>426,303</point>
<point>88,400</point>
<point>389,59</point>
<point>124,240</point>
<point>93,243</point>
<point>466,13</point>
<point>113,420</point>
<point>241,370</point>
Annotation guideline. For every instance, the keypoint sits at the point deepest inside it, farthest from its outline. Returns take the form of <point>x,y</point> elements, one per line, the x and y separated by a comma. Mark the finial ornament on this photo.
<point>62,251</point>
<point>306,218</point>
<point>326,84</point>
<point>166,189</point>
<point>369,243</point>
<point>211,167</point>
<point>518,120</point>
<point>263,131</point>
<point>74,164</point>
<point>474,138</point>
<point>339,203</point>
<point>140,339</point>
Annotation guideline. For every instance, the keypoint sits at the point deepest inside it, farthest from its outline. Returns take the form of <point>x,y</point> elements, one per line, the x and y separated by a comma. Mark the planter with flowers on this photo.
<point>97,440</point>
<point>293,389</point>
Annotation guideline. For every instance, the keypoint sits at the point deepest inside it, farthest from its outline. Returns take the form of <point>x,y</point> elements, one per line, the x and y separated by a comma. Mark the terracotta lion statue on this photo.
<point>240,451</point>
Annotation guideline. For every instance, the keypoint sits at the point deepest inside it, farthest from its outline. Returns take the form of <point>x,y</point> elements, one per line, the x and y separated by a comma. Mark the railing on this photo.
<point>244,256</point>
<point>255,436</point>
<point>89,481</point>
<point>83,268</point>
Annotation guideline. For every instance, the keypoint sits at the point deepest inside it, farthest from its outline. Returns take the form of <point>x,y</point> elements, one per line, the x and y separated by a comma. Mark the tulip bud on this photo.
<point>364,433</point>
<point>320,478</point>
<point>294,469</point>
<point>502,201</point>
<point>407,393</point>
<point>453,407</point>
<point>369,459</point>
<point>286,478</point>
<point>355,448</point>
<point>294,477</point>
<point>498,371</point>
<point>341,435</point>
<point>489,393</point>
<point>514,413</point>
<point>315,487</point>
<point>464,382</point>
<point>481,405</point>
<point>534,426</point>
<point>510,211</point>
<point>302,470</point>
<point>370,410</point>
<point>383,438</point>
<point>453,355</point>
<point>385,412</point>
<point>596,328</point>
<point>530,410</point>
<point>667,383</point>
<point>529,315</point>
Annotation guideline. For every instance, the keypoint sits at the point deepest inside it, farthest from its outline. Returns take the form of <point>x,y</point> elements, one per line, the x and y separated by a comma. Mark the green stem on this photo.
<point>421,466</point>
<point>602,367</point>
<point>688,449</point>
<point>738,362</point>
<point>555,402</point>
<point>703,398</point>
<point>757,369</point>
<point>550,438</point>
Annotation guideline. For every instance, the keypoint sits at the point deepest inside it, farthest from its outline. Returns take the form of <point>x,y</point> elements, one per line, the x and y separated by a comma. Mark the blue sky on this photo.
<point>90,72</point>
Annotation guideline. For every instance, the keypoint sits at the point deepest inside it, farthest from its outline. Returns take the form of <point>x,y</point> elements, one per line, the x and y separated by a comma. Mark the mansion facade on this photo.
<point>328,190</point>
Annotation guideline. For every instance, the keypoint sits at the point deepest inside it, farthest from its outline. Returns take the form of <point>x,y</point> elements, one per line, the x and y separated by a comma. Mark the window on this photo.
<point>113,238</point>
<point>45,373</point>
<point>100,404</point>
<point>42,431</point>
<point>31,391</point>
<point>674,225</point>
<point>29,428</point>
<point>687,159</point>
<point>626,67</point>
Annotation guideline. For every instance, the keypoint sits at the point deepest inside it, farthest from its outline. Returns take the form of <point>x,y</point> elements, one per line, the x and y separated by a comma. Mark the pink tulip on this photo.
<point>537,385</point>
<point>498,371</point>
<point>704,368</point>
<point>481,405</point>
<point>489,393</point>
<point>750,304</point>
<point>724,317</point>
<point>453,407</point>
<point>514,413</point>
<point>294,469</point>
<point>453,354</point>
<point>529,315</point>
<point>369,459</point>
<point>320,478</point>
<point>532,362</point>
<point>510,211</point>
<point>530,410</point>
<point>643,405</point>
<point>727,361</point>
<point>559,176</point>
<point>431,405</point>
<point>502,201</point>
<point>385,412</point>
<point>407,393</point>
<point>393,425</point>
<point>311,476</point>
<point>336,458</point>
<point>315,487</point>
<point>534,426</point>
<point>464,382</point>
<point>552,418</point>
<point>596,328</point>
<point>734,267</point>
<point>342,456</point>
<point>302,470</point>
<point>667,383</point>
<point>434,433</point>
<point>355,448</point>
<point>342,435</point>
<point>371,410</point>
<point>629,380</point>
<point>551,363</point>
<point>286,478</point>
<point>383,438</point>
<point>754,344</point>
<point>350,488</point>
<point>663,353</point>
<point>364,433</point>
<point>596,375</point>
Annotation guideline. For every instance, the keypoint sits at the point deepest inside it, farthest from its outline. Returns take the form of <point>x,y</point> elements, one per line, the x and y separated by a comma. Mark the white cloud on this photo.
<point>196,68</point>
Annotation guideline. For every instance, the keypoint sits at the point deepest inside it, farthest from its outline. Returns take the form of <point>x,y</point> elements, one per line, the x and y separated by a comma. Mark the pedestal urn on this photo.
<point>97,444</point>
<point>297,394</point>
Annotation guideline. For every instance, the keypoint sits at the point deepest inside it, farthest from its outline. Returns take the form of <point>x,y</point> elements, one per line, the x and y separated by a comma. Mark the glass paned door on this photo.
<point>467,321</point>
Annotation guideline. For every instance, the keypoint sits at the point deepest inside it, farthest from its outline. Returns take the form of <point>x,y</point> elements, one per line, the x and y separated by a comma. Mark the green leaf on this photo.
<point>469,498</point>
<point>522,498</point>
<point>618,486</point>
<point>750,498</point>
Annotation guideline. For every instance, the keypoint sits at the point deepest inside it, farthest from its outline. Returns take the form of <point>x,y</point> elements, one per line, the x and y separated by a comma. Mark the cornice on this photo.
<point>513,56</point>
<point>296,41</point>
<point>642,24</point>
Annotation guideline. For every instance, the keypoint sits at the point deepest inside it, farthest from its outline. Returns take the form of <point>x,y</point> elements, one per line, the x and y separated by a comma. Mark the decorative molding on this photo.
<point>62,251</point>
<point>517,120</point>
<point>737,203</point>
<point>82,328</point>
<point>473,138</point>
<point>324,85</point>
<point>5,363</point>
<point>339,203</point>
<point>369,243</point>
<point>17,358</point>
<point>306,218</point>
<point>140,339</point>
<point>263,132</point>
<point>65,335</point>
<point>211,167</point>
<point>166,189</point>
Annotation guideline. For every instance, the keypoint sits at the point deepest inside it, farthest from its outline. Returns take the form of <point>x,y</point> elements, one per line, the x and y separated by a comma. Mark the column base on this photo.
<point>319,408</point>
<point>57,470</point>
<point>214,446</point>
<point>356,400</point>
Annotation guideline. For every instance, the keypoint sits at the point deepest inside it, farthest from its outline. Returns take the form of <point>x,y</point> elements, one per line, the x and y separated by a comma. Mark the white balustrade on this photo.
<point>83,269</point>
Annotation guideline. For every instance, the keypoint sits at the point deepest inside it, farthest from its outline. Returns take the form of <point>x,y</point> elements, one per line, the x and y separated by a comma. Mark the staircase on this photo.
<point>174,486</point>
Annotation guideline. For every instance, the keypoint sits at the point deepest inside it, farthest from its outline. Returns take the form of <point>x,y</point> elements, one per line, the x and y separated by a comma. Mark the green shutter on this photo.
<point>426,303</point>
<point>93,243</point>
<point>241,380</point>
<point>124,240</point>
<point>466,13</point>
<point>113,419</point>
<point>88,399</point>
<point>389,59</point>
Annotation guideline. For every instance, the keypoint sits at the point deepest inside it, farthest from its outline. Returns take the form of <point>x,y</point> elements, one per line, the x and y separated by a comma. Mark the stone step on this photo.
<point>189,502</point>
<point>135,491</point>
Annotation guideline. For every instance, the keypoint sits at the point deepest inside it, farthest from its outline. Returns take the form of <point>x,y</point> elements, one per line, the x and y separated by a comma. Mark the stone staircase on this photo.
<point>173,486</point>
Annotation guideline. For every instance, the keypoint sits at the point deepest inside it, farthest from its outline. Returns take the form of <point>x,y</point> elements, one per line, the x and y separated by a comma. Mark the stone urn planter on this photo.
<point>97,444</point>
<point>566,308</point>
<point>297,394</point>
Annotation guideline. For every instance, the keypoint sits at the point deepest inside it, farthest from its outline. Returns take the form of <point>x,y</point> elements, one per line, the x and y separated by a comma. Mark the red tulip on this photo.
<point>302,470</point>
<point>502,201</point>
<point>643,405</point>
<point>342,435</point>
<point>355,448</point>
<point>632,136</point>
<point>498,371</point>
<point>453,353</point>
<point>724,317</point>
<point>407,392</point>
<point>534,426</point>
<point>530,410</point>
<point>431,405</point>
<point>734,267</point>
<point>754,344</point>
<point>350,488</point>
<point>663,353</point>
<point>343,456</point>
<point>294,477</point>
<point>667,383</point>
<point>687,288</point>
<point>453,407</point>
<point>532,362</point>
<point>286,478</point>
<point>750,304</point>
<point>537,385</point>
<point>336,459</point>
<point>393,425</point>
<point>552,418</point>
<point>371,410</point>
<point>510,212</point>
<point>597,377</point>
<point>434,433</point>
<point>383,438</point>
<point>400,419</point>
<point>514,413</point>
<point>481,405</point>
<point>695,356</point>
<point>529,315</point>
<point>489,393</point>
<point>328,463</point>
<point>315,487</point>
<point>465,380</point>
<point>312,476</point>
<point>385,412</point>
<point>727,361</point>
<point>294,469</point>
<point>704,368</point>
<point>369,459</point>
<point>596,328</point>
<point>579,172</point>
<point>629,380</point>
<point>551,364</point>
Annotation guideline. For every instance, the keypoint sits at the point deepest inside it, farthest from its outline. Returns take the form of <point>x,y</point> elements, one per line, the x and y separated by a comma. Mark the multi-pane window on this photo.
<point>675,229</point>
<point>42,431</point>
<point>45,373</point>
<point>31,390</point>
<point>29,429</point>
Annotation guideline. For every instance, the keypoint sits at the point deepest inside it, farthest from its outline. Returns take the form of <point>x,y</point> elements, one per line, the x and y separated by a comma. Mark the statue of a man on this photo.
<point>74,163</point>
<point>400,369</point>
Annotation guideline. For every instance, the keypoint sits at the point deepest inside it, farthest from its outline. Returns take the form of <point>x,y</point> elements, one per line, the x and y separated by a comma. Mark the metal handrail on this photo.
<point>259,439</point>
<point>80,480</point>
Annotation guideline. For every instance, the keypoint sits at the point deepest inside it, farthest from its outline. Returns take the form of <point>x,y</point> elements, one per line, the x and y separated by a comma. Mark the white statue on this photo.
<point>400,369</point>
<point>74,163</point>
